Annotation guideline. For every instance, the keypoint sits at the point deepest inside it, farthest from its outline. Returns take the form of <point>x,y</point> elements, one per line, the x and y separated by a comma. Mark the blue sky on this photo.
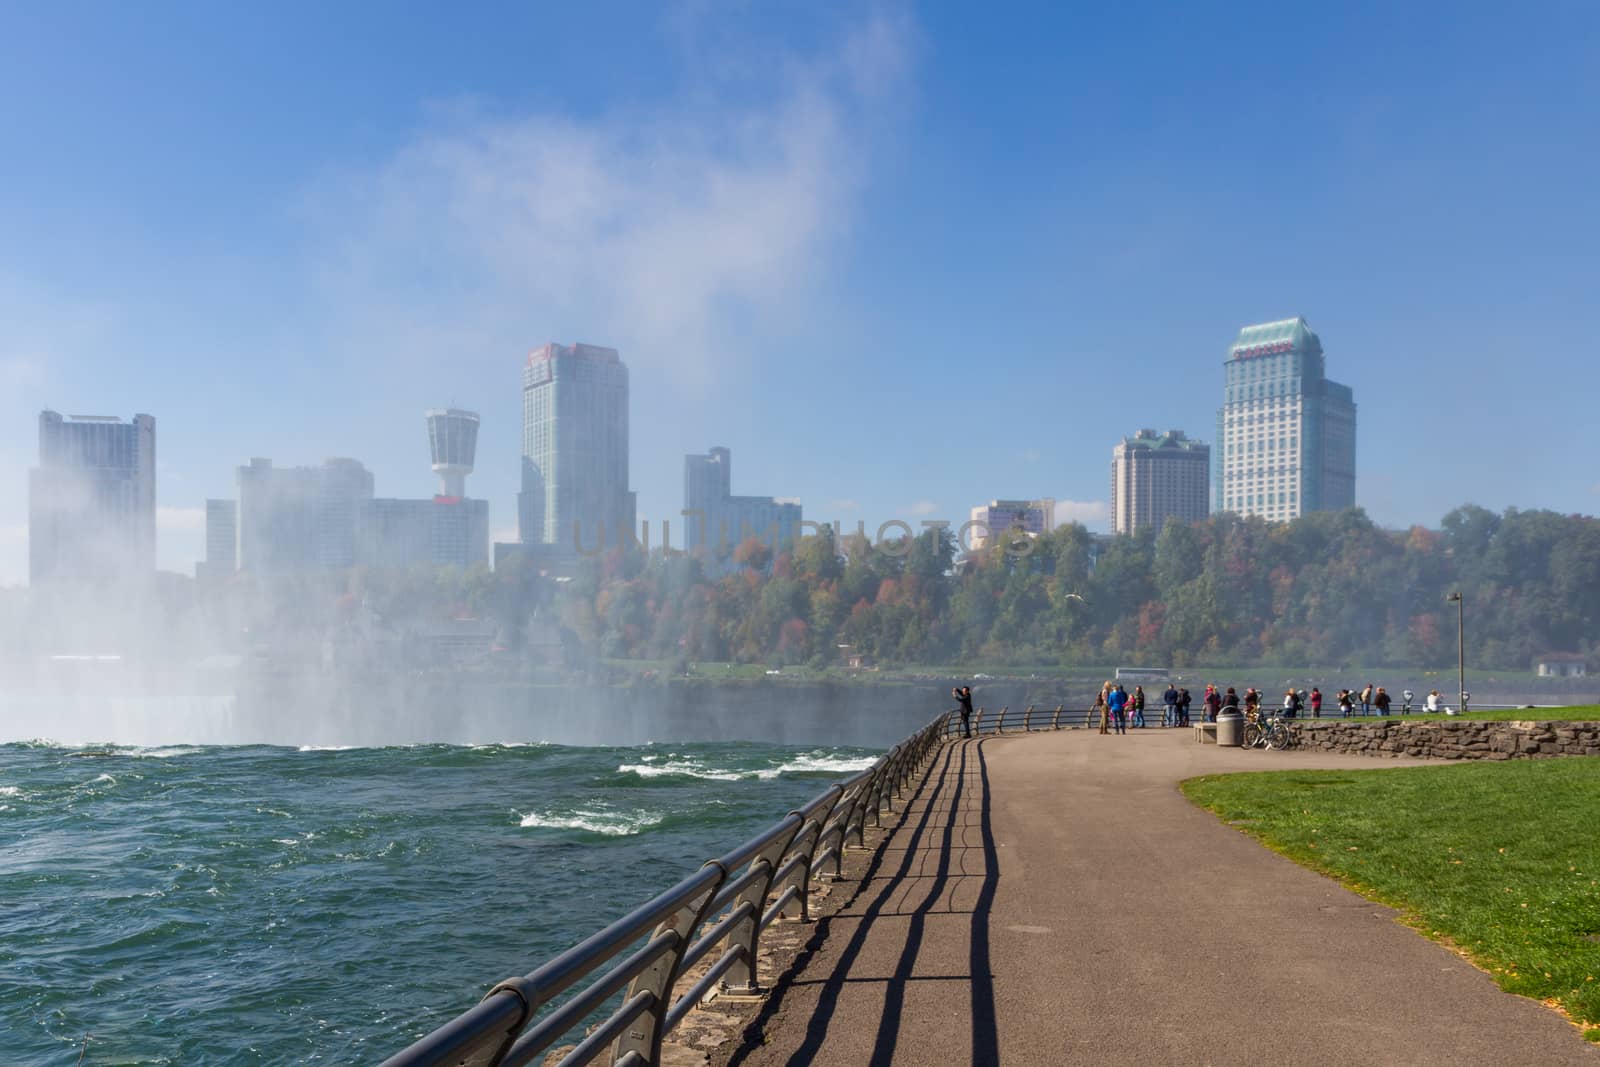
<point>899,259</point>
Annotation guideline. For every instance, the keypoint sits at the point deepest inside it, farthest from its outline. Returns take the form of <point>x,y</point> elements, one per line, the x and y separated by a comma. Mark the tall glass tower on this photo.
<point>92,499</point>
<point>1286,435</point>
<point>575,448</point>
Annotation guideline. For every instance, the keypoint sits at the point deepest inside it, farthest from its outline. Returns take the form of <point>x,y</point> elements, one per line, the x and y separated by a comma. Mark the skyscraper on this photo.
<point>1156,477</point>
<point>575,448</point>
<point>92,499</point>
<point>1286,435</point>
<point>222,541</point>
<point>719,520</point>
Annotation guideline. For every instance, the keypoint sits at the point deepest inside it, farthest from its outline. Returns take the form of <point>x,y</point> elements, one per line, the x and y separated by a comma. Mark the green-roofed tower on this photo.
<point>1286,435</point>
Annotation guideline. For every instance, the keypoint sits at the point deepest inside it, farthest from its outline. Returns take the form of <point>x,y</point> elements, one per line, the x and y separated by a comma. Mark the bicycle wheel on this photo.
<point>1253,735</point>
<point>1279,736</point>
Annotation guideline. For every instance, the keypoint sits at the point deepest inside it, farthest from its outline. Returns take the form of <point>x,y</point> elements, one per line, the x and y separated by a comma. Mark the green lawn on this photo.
<point>1501,860</point>
<point>1585,712</point>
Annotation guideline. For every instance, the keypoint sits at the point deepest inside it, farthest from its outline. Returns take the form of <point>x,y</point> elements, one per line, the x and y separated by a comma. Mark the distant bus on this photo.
<point>1141,675</point>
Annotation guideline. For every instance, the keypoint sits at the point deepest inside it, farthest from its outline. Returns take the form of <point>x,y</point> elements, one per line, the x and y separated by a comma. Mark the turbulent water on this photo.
<point>187,904</point>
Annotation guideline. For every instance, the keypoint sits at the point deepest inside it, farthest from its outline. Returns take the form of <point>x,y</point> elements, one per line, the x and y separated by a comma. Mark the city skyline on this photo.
<point>294,263</point>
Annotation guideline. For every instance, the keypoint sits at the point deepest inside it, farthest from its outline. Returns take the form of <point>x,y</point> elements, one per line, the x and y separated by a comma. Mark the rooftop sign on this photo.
<point>1270,349</point>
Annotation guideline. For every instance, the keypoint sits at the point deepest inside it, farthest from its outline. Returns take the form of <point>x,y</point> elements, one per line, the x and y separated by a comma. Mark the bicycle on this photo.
<point>1267,732</point>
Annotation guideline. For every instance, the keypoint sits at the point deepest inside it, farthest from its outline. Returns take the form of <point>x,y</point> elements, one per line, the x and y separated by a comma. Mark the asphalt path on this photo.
<point>1053,899</point>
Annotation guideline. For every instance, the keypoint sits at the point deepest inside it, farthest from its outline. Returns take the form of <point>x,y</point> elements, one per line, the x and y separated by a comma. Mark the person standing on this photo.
<point>1213,703</point>
<point>1102,704</point>
<point>1347,703</point>
<point>1316,703</point>
<point>1366,700</point>
<point>1169,717</point>
<point>1117,701</point>
<point>1185,698</point>
<point>1138,706</point>
<point>963,695</point>
<point>1380,700</point>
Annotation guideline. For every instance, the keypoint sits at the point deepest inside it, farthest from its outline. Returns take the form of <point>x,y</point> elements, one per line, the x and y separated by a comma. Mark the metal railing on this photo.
<point>723,907</point>
<point>1033,718</point>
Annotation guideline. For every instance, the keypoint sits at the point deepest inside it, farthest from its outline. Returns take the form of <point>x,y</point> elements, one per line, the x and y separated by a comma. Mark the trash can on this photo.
<point>1230,727</point>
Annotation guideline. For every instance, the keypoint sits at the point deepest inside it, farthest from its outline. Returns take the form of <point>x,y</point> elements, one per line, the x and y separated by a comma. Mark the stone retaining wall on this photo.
<point>1445,739</point>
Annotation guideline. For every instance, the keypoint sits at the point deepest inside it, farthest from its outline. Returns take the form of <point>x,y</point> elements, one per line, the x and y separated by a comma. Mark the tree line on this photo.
<point>1326,589</point>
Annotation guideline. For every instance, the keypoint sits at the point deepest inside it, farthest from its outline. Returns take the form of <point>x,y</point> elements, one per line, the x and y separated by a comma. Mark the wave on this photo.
<point>609,823</point>
<point>327,748</point>
<point>163,753</point>
<point>10,791</point>
<point>685,770</point>
<point>818,762</point>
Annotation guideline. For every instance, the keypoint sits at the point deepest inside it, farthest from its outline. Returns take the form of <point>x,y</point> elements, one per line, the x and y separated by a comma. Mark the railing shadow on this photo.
<point>969,783</point>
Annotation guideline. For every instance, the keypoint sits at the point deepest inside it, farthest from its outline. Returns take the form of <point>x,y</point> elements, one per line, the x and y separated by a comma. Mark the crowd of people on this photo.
<point>1119,710</point>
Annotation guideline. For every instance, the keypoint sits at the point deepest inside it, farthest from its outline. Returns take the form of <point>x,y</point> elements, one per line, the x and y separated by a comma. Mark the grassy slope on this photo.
<point>1588,711</point>
<point>1500,859</point>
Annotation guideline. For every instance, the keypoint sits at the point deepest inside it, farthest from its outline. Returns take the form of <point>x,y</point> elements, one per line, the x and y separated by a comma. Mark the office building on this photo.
<point>718,521</point>
<point>222,541</point>
<point>575,448</point>
<point>444,531</point>
<point>1286,435</point>
<point>300,518</point>
<point>92,498</point>
<point>1156,477</point>
<point>1035,517</point>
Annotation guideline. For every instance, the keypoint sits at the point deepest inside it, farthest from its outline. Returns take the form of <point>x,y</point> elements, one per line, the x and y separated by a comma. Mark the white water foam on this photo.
<point>164,753</point>
<point>330,748</point>
<point>688,770</point>
<point>814,762</point>
<point>610,823</point>
<point>818,762</point>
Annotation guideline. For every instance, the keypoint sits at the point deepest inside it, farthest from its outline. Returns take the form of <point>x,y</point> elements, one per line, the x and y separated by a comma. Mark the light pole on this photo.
<point>1461,648</point>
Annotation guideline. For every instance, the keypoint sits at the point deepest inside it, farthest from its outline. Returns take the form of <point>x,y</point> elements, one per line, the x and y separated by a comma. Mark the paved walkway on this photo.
<point>1053,899</point>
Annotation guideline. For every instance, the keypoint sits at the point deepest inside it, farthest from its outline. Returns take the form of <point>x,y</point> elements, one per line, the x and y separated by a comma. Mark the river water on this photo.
<point>190,904</point>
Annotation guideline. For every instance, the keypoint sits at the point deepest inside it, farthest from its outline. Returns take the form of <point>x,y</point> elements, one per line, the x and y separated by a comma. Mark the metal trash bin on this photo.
<point>1230,727</point>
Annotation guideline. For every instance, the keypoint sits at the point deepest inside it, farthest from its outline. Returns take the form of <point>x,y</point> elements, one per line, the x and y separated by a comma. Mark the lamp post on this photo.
<point>1461,647</point>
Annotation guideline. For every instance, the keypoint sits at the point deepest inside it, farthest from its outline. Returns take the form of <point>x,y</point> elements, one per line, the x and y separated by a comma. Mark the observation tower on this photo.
<point>453,439</point>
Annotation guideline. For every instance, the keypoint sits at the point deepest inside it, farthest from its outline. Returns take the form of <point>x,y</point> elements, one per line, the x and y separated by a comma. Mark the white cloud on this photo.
<point>844,504</point>
<point>1091,513</point>
<point>921,507</point>
<point>668,233</point>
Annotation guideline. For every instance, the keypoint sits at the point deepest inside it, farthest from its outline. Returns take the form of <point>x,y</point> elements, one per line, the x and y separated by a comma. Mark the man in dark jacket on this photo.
<point>1170,699</point>
<point>963,694</point>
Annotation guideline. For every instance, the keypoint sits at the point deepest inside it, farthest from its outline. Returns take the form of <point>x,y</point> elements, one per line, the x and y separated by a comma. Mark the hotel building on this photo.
<point>1286,435</point>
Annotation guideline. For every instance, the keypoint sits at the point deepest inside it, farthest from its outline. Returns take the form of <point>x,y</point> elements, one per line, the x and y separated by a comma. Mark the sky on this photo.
<point>900,259</point>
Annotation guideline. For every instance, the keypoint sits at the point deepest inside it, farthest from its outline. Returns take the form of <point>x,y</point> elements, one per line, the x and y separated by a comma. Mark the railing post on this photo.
<point>1000,727</point>
<point>835,828</point>
<point>1027,720</point>
<point>1055,724</point>
<point>741,978</point>
<point>645,1033</point>
<point>977,724</point>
